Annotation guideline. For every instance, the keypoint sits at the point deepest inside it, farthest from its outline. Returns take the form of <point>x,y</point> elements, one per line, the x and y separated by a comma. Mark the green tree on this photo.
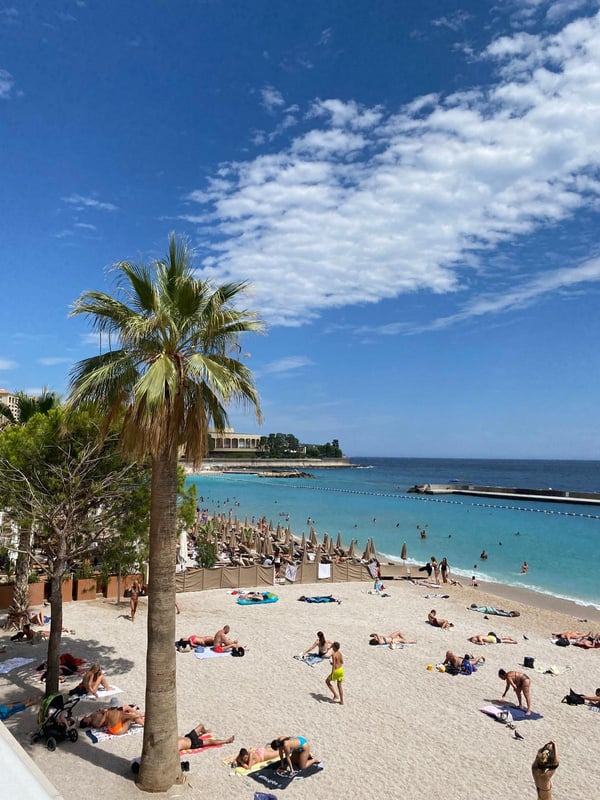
<point>27,408</point>
<point>77,489</point>
<point>175,370</point>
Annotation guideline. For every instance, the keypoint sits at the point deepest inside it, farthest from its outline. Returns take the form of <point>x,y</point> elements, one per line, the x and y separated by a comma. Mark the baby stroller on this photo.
<point>55,720</point>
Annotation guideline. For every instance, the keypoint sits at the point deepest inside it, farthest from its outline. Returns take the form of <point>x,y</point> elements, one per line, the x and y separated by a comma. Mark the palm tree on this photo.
<point>175,370</point>
<point>27,407</point>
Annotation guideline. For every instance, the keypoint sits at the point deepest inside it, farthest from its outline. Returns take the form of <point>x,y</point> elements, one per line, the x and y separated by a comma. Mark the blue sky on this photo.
<point>411,189</point>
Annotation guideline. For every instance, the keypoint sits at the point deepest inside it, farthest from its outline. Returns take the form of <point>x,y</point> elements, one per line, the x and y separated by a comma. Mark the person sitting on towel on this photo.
<point>222,643</point>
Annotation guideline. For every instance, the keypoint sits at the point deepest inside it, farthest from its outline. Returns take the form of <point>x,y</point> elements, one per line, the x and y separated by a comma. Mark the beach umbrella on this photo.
<point>325,540</point>
<point>246,525</point>
<point>313,537</point>
<point>268,546</point>
<point>305,558</point>
<point>232,540</point>
<point>288,535</point>
<point>279,530</point>
<point>318,554</point>
<point>271,526</point>
<point>403,554</point>
<point>351,550</point>
<point>338,543</point>
<point>331,548</point>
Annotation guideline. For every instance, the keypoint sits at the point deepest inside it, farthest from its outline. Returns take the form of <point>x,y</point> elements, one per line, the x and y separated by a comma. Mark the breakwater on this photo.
<point>546,495</point>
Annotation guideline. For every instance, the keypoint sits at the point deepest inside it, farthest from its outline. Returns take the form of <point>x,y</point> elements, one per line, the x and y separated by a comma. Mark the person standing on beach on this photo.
<point>337,674</point>
<point>134,599</point>
<point>542,769</point>
<point>521,684</point>
<point>445,570</point>
<point>436,568</point>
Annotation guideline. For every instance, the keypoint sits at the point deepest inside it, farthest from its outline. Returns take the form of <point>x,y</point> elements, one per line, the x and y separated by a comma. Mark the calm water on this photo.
<point>561,542</point>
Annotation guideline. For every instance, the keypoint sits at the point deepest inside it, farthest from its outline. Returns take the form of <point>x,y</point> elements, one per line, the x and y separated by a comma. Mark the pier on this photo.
<point>507,493</point>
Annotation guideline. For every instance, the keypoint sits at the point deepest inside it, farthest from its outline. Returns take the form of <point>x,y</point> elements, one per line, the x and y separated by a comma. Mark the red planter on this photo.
<point>85,589</point>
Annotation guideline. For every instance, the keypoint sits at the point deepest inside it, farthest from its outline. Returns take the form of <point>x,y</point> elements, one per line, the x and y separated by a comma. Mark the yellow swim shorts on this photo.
<point>337,675</point>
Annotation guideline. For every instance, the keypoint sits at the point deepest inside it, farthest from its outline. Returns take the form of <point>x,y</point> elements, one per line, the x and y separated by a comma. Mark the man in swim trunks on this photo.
<point>491,638</point>
<point>193,740</point>
<point>221,644</point>
<point>521,684</point>
<point>542,769</point>
<point>337,674</point>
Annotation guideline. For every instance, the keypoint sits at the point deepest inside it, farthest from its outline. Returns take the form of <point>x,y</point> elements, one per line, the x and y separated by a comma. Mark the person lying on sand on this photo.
<point>542,769</point>
<point>192,740</point>
<point>9,709</point>
<point>438,623</point>
<point>452,660</point>
<point>192,641</point>
<point>117,721</point>
<point>491,638</point>
<point>248,758</point>
<point>397,637</point>
<point>592,699</point>
<point>588,641</point>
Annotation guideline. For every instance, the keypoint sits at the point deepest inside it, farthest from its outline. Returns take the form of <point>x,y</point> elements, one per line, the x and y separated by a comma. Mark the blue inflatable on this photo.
<point>257,599</point>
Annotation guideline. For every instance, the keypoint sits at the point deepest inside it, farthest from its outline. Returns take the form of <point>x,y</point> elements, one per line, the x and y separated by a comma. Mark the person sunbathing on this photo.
<point>457,662</point>
<point>8,709</point>
<point>568,635</point>
<point>592,699</point>
<point>397,637</point>
<point>438,623</point>
<point>193,641</point>
<point>117,721</point>
<point>248,758</point>
<point>491,638</point>
<point>588,641</point>
<point>29,635</point>
<point>193,740</point>
<point>322,644</point>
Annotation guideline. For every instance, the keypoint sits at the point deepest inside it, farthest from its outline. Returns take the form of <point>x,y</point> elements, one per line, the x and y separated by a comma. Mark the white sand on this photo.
<point>404,731</point>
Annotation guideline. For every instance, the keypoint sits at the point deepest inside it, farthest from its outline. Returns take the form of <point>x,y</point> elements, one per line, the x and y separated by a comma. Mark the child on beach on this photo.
<point>337,674</point>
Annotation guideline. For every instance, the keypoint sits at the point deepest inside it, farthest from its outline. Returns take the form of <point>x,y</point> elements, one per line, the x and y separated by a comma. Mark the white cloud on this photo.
<point>371,204</point>
<point>53,361</point>
<point>283,366</point>
<point>271,98</point>
<point>86,226</point>
<point>6,364</point>
<point>7,84</point>
<point>454,22</point>
<point>81,202</point>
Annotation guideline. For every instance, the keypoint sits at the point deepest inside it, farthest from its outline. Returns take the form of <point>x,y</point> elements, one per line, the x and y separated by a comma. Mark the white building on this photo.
<point>11,401</point>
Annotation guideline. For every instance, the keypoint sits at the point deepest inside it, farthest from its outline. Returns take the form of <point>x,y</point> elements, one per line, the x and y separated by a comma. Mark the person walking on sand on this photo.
<point>337,674</point>
<point>444,569</point>
<point>521,684</point>
<point>134,599</point>
<point>436,569</point>
<point>542,769</point>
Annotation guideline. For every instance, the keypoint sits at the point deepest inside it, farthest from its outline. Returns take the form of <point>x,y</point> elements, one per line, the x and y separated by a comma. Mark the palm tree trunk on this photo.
<point>160,767</point>
<point>21,592</point>
<point>56,624</point>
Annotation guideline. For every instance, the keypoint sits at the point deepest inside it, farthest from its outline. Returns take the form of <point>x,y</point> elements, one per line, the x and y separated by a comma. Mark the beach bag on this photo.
<point>573,699</point>
<point>528,661</point>
<point>237,652</point>
<point>505,717</point>
<point>467,668</point>
<point>562,641</point>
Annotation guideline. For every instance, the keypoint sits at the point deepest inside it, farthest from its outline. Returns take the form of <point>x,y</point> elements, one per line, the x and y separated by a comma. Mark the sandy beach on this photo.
<point>404,730</point>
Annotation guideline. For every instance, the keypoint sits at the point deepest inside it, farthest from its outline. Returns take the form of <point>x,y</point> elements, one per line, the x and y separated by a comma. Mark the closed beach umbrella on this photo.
<point>331,547</point>
<point>271,525</point>
<point>403,554</point>
<point>232,540</point>
<point>305,558</point>
<point>288,535</point>
<point>318,554</point>
<point>279,530</point>
<point>351,550</point>
<point>313,537</point>
<point>338,543</point>
<point>268,548</point>
<point>325,540</point>
<point>303,541</point>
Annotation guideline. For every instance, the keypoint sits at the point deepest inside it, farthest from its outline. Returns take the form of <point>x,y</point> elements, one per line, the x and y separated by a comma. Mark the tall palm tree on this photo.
<point>27,407</point>
<point>175,370</point>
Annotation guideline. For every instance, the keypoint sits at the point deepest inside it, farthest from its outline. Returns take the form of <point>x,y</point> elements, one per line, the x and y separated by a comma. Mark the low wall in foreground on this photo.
<point>198,580</point>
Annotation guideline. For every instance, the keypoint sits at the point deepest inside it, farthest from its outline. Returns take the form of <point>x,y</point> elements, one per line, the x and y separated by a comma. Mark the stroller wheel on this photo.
<point>35,737</point>
<point>73,735</point>
<point>51,744</point>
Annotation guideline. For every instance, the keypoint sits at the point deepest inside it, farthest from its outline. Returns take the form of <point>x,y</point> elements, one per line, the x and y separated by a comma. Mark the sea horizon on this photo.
<point>559,541</point>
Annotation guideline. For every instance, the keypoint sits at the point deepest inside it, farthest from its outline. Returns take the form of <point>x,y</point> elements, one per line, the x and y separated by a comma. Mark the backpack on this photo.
<point>237,652</point>
<point>573,699</point>
<point>562,642</point>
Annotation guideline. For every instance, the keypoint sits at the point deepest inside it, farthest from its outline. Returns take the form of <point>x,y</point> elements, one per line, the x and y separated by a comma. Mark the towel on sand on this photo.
<point>271,777</point>
<point>229,761</point>
<point>102,693</point>
<point>98,735</point>
<point>13,663</point>
<point>311,659</point>
<point>207,652</point>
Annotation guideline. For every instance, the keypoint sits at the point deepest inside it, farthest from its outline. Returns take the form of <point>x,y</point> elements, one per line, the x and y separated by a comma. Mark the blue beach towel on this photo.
<point>271,776</point>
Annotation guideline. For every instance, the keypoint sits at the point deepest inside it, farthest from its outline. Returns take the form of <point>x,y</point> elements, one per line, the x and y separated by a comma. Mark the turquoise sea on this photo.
<point>560,541</point>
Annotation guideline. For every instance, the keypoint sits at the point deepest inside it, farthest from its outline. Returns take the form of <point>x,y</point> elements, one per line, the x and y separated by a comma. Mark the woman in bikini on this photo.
<point>293,751</point>
<point>93,679</point>
<point>117,721</point>
<point>397,637</point>
<point>248,758</point>
<point>438,623</point>
<point>322,644</point>
<point>521,684</point>
<point>134,598</point>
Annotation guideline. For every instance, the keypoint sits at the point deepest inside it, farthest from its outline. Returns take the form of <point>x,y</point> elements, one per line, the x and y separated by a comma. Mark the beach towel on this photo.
<point>518,714</point>
<point>311,659</point>
<point>492,610</point>
<point>290,572</point>
<point>319,599</point>
<point>103,693</point>
<point>264,796</point>
<point>271,777</point>
<point>12,663</point>
<point>98,735</point>
<point>323,571</point>
<point>432,596</point>
<point>594,708</point>
<point>395,646</point>
<point>208,652</point>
